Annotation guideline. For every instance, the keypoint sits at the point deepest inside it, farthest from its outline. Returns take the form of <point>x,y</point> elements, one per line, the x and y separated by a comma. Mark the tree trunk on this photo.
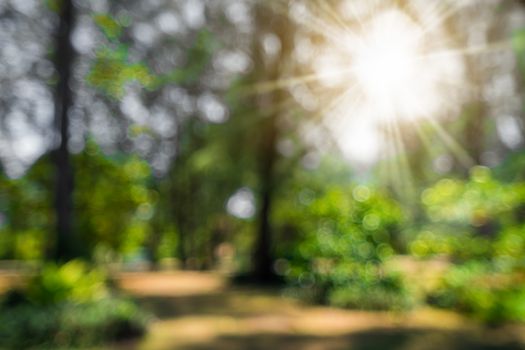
<point>64,55</point>
<point>268,21</point>
<point>263,257</point>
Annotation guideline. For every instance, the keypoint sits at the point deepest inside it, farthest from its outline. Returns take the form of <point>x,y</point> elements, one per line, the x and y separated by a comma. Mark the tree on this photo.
<point>64,57</point>
<point>268,69</point>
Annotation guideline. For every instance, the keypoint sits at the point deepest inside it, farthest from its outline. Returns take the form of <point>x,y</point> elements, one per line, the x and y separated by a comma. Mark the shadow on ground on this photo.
<point>376,339</point>
<point>233,303</point>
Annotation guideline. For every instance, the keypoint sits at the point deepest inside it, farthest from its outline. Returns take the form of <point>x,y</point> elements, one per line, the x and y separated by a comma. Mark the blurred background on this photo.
<point>237,174</point>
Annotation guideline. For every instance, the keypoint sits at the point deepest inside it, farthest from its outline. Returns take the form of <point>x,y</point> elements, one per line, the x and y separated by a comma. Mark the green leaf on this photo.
<point>111,72</point>
<point>112,28</point>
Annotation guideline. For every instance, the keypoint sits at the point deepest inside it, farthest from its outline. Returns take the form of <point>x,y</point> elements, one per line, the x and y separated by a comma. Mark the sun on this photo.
<point>387,64</point>
<point>390,63</point>
<point>382,72</point>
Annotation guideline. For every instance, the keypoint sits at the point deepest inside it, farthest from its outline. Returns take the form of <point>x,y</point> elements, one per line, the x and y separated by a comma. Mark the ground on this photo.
<point>197,311</point>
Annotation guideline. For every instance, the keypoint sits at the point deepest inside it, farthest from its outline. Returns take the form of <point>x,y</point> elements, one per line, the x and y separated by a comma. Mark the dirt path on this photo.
<point>201,311</point>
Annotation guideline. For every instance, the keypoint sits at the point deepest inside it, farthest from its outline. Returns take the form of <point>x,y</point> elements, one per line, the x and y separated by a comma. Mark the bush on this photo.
<point>482,205</point>
<point>460,247</point>
<point>349,234</point>
<point>73,282</point>
<point>354,286</point>
<point>379,293</point>
<point>70,325</point>
<point>482,291</point>
<point>67,306</point>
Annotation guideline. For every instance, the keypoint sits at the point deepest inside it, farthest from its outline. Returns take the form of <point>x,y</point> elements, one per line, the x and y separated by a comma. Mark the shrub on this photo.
<point>387,292</point>
<point>73,282</point>
<point>482,205</point>
<point>349,234</point>
<point>70,325</point>
<point>459,246</point>
<point>67,306</point>
<point>354,286</point>
<point>482,291</point>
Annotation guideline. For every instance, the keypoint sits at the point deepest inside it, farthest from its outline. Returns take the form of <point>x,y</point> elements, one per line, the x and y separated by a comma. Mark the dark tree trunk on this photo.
<point>268,69</point>
<point>64,56</point>
<point>263,259</point>
<point>178,200</point>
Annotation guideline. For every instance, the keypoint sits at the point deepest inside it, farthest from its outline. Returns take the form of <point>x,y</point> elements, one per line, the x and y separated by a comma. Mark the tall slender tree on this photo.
<point>63,248</point>
<point>268,22</point>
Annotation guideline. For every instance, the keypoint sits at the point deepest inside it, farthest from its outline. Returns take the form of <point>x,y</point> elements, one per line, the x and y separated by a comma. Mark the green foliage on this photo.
<point>71,282</point>
<point>478,223</point>
<point>492,295</point>
<point>65,306</point>
<point>111,28</point>
<point>70,325</point>
<point>474,219</point>
<point>371,288</point>
<point>510,246</point>
<point>112,70</point>
<point>353,224</point>
<point>344,236</point>
<point>460,246</point>
<point>348,234</point>
<point>352,285</point>
<point>113,206</point>
<point>511,170</point>
<point>120,187</point>
<point>27,205</point>
<point>478,202</point>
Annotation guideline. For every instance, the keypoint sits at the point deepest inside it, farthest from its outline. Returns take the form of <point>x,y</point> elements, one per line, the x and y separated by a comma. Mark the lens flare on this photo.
<point>386,67</point>
<point>387,64</point>
<point>370,71</point>
<point>390,64</point>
